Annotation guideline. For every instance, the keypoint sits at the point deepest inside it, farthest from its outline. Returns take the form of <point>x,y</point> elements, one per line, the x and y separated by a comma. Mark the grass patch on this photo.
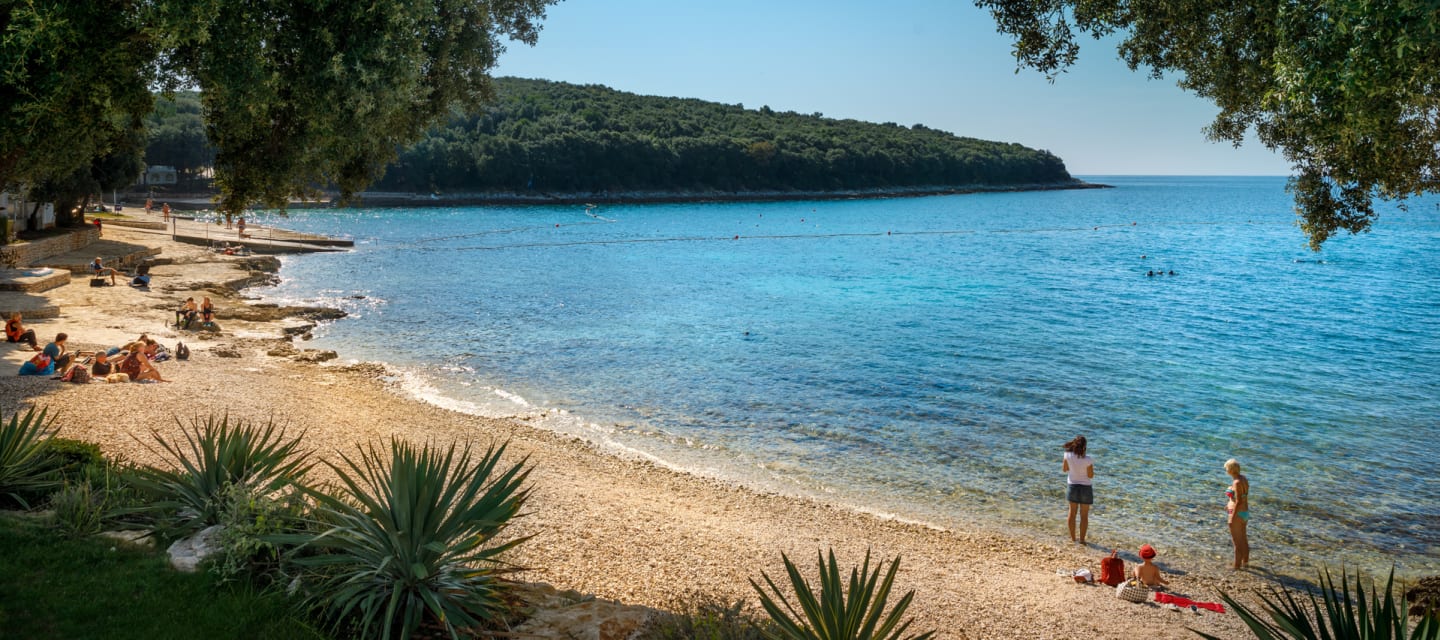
<point>57,588</point>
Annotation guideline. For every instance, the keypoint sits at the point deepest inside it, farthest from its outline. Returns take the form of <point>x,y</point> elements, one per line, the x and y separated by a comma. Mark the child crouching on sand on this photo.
<point>1147,573</point>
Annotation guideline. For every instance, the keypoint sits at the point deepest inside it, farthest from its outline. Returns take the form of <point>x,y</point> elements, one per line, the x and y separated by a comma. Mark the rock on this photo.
<point>186,554</point>
<point>285,350</point>
<point>133,538</point>
<point>314,355</point>
<point>301,330</point>
<point>1424,597</point>
<point>570,615</point>
<point>225,351</point>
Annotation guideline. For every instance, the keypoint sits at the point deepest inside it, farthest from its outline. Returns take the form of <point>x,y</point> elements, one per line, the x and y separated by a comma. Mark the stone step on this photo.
<point>33,280</point>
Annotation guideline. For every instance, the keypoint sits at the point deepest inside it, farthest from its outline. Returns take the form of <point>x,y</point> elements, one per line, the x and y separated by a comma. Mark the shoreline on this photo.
<point>193,201</point>
<point>622,529</point>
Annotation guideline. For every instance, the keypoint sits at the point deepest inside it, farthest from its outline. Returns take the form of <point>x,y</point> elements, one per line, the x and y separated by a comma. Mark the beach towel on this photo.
<point>1165,598</point>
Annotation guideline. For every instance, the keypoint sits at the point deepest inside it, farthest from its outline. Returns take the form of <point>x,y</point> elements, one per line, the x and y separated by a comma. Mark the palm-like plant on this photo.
<point>214,456</point>
<point>1339,617</point>
<point>857,613</point>
<point>25,469</point>
<point>414,539</point>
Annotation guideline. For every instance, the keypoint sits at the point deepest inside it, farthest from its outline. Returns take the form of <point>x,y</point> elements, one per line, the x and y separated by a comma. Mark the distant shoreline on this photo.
<point>385,199</point>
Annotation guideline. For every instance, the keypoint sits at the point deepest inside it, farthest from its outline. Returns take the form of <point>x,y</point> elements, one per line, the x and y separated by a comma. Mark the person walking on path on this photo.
<point>165,212</point>
<point>1237,509</point>
<point>1080,470</point>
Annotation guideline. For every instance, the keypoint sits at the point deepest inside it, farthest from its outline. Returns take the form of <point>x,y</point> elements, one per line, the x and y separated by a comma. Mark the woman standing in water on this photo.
<point>1237,508</point>
<point>1080,469</point>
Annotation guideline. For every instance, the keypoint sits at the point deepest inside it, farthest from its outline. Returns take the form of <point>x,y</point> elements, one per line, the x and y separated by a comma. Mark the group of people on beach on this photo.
<point>189,312</point>
<point>1079,468</point>
<point>134,361</point>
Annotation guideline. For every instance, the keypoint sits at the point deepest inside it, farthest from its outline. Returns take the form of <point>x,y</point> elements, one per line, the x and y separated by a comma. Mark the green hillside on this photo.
<point>553,137</point>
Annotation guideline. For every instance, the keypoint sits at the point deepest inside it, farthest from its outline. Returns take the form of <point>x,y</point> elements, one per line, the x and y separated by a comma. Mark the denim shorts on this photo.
<point>1082,494</point>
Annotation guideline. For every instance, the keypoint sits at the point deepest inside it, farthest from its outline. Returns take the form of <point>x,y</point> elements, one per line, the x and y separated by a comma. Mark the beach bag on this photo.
<point>1132,591</point>
<point>1112,569</point>
<point>77,374</point>
<point>41,361</point>
<point>97,282</point>
<point>182,352</point>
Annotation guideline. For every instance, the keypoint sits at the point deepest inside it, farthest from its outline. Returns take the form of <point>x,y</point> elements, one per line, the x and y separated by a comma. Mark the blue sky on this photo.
<point>935,62</point>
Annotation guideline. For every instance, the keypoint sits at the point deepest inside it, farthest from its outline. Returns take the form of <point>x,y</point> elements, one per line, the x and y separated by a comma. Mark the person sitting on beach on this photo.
<point>136,365</point>
<point>15,331</point>
<point>58,353</point>
<point>207,311</point>
<point>99,270</point>
<point>101,366</point>
<point>142,277</point>
<point>1147,573</point>
<point>186,313</point>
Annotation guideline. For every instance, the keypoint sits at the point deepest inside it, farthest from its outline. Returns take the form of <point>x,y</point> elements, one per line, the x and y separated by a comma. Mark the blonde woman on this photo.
<point>1237,509</point>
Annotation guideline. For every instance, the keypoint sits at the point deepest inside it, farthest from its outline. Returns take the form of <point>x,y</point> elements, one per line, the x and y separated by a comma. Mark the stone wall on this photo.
<point>26,253</point>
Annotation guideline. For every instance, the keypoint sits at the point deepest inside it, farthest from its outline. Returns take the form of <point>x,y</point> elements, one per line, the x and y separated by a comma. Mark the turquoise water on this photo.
<point>926,357</point>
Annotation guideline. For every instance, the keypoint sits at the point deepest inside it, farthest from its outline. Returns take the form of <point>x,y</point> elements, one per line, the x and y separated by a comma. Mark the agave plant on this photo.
<point>25,469</point>
<point>856,613</point>
<point>414,540</point>
<point>214,456</point>
<point>1339,618</point>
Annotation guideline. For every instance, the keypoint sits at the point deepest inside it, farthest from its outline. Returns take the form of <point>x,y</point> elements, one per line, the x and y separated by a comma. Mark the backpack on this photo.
<point>41,361</point>
<point>97,282</point>
<point>182,352</point>
<point>77,374</point>
<point>1112,569</point>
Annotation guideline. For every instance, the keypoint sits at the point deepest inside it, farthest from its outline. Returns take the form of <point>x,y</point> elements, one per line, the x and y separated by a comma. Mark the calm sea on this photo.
<point>926,357</point>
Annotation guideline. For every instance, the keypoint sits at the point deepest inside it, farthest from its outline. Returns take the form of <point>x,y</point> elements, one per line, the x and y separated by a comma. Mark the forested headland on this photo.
<point>542,139</point>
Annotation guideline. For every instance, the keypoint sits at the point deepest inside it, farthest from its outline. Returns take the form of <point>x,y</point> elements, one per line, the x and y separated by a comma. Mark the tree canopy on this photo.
<point>1347,90</point>
<point>557,137</point>
<point>296,93</point>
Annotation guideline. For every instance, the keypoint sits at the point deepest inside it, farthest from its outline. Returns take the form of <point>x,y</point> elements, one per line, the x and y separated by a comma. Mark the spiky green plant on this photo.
<point>214,456</point>
<point>414,539</point>
<point>25,470</point>
<point>1335,615</point>
<point>856,613</point>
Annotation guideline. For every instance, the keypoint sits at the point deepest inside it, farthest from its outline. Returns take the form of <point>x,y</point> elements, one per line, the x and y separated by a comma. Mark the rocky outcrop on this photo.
<point>570,615</point>
<point>1424,597</point>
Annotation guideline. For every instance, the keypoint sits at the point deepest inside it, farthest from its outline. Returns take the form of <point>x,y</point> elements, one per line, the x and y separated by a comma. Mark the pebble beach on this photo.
<point>616,528</point>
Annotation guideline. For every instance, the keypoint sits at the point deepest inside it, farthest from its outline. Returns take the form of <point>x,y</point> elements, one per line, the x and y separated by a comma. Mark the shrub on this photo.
<point>250,519</point>
<point>700,617</point>
<point>1340,618</point>
<point>71,457</point>
<point>79,510</point>
<point>215,456</point>
<point>413,541</point>
<point>857,613</point>
<point>26,473</point>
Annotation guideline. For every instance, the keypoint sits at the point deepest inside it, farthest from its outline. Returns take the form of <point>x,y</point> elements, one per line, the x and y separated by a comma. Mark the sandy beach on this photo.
<point>619,529</point>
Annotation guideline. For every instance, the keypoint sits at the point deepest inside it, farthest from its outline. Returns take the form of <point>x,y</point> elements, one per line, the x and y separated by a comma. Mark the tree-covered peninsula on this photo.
<point>540,137</point>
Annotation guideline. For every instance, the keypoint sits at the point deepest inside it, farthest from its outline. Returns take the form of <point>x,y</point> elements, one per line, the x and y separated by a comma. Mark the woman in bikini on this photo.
<point>135,365</point>
<point>207,311</point>
<point>1237,508</point>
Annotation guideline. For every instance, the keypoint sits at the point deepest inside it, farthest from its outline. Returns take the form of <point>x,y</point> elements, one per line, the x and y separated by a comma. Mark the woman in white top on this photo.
<point>1080,469</point>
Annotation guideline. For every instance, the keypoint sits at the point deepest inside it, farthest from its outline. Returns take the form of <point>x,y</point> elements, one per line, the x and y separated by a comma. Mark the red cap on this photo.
<point>1147,552</point>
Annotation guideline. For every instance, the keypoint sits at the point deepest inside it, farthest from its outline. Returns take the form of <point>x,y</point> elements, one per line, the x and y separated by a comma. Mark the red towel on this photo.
<point>1164,598</point>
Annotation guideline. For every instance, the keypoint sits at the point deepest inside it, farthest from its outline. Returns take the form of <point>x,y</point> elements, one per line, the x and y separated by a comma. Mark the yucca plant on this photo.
<point>214,456</point>
<point>26,471</point>
<point>856,613</point>
<point>1335,615</point>
<point>413,539</point>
